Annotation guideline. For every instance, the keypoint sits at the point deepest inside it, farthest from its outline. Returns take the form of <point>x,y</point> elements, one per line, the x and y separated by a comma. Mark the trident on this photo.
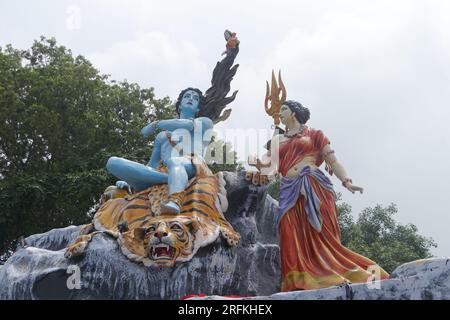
<point>274,97</point>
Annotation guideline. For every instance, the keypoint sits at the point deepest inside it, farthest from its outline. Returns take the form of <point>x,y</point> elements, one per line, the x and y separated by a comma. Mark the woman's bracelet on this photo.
<point>346,180</point>
<point>328,153</point>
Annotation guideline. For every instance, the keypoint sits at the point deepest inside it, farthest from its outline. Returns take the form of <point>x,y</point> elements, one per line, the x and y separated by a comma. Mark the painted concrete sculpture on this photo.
<point>180,138</point>
<point>312,255</point>
<point>144,235</point>
<point>176,205</point>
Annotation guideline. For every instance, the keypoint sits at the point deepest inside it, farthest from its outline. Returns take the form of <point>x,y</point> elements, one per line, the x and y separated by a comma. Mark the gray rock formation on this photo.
<point>40,271</point>
<point>427,279</point>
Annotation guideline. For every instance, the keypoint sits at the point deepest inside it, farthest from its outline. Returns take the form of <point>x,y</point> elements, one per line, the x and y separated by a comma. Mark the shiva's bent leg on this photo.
<point>137,175</point>
<point>180,171</point>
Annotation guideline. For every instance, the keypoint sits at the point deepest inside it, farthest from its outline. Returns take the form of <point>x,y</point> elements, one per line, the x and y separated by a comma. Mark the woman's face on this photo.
<point>190,102</point>
<point>285,114</point>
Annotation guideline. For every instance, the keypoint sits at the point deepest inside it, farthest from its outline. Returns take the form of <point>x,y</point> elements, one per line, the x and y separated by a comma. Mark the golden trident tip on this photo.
<point>273,93</point>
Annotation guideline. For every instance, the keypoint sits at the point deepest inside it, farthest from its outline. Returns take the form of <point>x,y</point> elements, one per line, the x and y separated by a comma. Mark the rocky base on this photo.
<point>427,279</point>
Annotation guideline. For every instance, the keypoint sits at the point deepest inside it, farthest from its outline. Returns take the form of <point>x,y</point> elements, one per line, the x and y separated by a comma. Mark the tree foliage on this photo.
<point>220,156</point>
<point>60,122</point>
<point>375,234</point>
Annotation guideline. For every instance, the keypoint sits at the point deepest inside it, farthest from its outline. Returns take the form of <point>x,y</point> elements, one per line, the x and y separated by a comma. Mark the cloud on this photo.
<point>377,82</point>
<point>153,59</point>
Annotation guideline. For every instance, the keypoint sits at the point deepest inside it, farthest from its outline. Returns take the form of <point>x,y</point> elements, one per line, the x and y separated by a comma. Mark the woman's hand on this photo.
<point>352,188</point>
<point>261,174</point>
<point>257,178</point>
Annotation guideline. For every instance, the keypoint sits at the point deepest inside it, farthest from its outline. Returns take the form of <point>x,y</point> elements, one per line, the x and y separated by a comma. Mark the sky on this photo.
<point>374,74</point>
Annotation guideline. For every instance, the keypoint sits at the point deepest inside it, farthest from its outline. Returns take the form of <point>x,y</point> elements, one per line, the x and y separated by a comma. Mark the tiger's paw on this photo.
<point>231,236</point>
<point>75,250</point>
<point>87,229</point>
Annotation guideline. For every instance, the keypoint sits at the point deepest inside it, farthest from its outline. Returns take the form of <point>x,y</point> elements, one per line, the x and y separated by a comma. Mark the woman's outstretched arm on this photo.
<point>338,169</point>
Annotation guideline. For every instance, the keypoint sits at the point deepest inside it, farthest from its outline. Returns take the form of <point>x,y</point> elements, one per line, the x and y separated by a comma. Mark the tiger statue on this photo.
<point>146,236</point>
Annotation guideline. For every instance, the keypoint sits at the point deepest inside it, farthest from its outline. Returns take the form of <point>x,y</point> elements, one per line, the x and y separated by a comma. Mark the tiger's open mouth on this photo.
<point>162,252</point>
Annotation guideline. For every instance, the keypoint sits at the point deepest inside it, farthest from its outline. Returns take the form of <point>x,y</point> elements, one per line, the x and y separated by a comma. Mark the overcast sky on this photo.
<point>375,75</point>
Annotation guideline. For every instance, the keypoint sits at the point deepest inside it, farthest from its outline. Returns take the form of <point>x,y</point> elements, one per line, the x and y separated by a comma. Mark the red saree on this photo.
<point>312,259</point>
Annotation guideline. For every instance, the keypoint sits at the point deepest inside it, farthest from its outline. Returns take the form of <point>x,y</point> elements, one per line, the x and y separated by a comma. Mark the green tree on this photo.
<point>376,235</point>
<point>220,156</point>
<point>274,188</point>
<point>60,122</point>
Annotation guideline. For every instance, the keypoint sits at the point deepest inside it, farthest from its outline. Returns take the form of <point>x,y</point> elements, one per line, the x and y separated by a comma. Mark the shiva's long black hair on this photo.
<point>215,99</point>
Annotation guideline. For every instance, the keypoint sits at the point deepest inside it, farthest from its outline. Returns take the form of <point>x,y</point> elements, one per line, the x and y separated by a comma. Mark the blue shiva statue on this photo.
<point>181,140</point>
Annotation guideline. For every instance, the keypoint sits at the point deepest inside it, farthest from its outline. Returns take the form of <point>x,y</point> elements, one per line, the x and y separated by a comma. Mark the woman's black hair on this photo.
<point>301,113</point>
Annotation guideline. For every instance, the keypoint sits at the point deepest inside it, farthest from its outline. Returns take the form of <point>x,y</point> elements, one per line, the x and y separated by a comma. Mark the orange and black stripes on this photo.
<point>199,198</point>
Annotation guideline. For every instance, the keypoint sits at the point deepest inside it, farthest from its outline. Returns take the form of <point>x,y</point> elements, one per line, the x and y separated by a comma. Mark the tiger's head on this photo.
<point>167,240</point>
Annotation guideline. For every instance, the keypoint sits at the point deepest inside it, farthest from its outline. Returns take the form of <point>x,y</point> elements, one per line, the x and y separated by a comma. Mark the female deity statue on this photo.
<point>312,255</point>
<point>182,141</point>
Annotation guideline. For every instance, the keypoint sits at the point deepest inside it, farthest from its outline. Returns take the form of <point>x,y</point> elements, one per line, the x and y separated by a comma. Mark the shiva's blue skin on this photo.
<point>180,169</point>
